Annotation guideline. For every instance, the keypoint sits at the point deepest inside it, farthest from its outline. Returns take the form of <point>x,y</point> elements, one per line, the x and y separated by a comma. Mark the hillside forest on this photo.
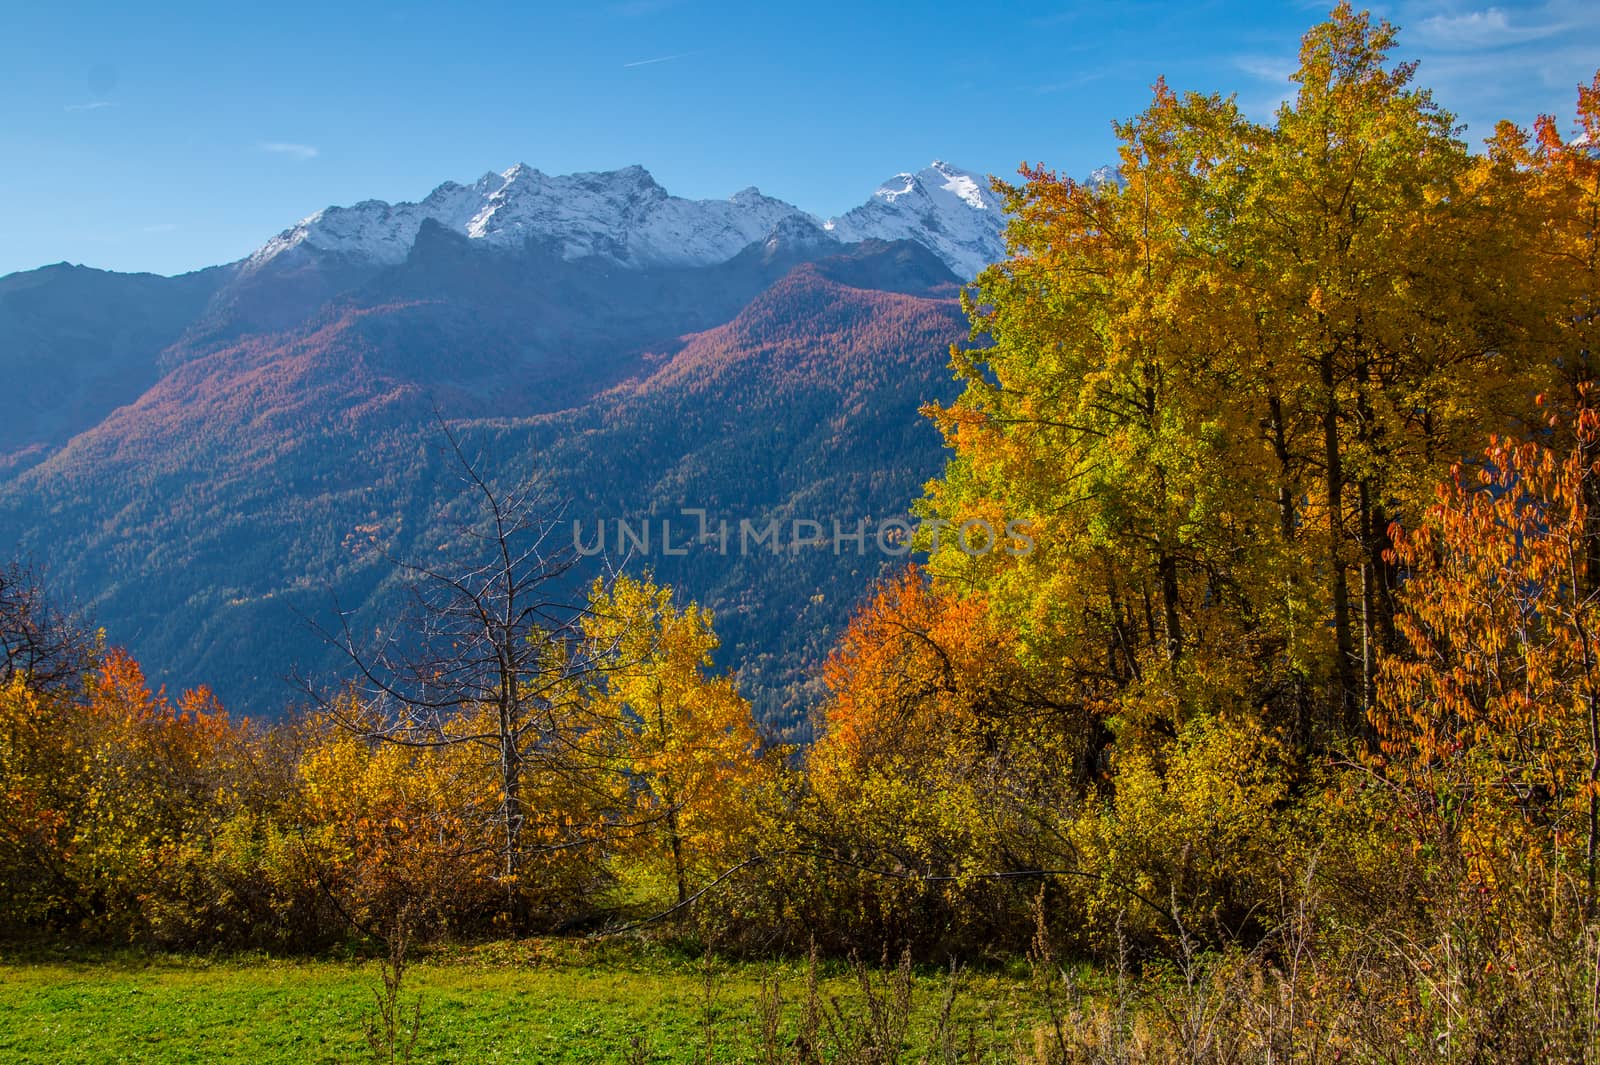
<point>1296,696</point>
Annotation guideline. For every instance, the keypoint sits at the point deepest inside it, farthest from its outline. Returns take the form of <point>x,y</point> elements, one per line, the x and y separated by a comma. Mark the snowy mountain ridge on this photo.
<point>626,216</point>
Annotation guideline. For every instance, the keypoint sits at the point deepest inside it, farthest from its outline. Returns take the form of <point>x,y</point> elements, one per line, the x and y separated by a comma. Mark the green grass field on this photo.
<point>535,1001</point>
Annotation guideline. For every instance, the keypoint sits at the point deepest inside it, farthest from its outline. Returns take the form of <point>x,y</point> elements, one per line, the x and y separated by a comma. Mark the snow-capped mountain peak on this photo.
<point>949,210</point>
<point>622,214</point>
<point>626,216</point>
<point>1102,176</point>
<point>964,186</point>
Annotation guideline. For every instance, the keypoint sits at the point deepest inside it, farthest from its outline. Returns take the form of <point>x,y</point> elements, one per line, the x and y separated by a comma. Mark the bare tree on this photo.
<point>491,655</point>
<point>44,645</point>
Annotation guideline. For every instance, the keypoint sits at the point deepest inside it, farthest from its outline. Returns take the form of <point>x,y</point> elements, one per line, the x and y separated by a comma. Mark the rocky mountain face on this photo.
<point>208,461</point>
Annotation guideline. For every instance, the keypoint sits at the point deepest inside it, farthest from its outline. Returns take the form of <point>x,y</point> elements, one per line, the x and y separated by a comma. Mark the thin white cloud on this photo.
<point>93,105</point>
<point>293,151</point>
<point>1490,28</point>
<point>1267,68</point>
<point>658,59</point>
<point>1274,72</point>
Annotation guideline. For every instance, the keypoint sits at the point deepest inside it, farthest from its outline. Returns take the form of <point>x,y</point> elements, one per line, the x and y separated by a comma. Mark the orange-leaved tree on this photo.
<point>1490,718</point>
<point>107,785</point>
<point>944,764</point>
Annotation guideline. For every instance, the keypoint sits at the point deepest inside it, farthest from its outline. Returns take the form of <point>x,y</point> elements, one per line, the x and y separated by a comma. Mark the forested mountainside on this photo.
<point>225,459</point>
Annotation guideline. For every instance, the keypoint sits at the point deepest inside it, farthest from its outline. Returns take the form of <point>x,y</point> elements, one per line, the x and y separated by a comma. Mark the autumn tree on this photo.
<point>42,770</point>
<point>1373,252</point>
<point>107,787</point>
<point>1553,190</point>
<point>491,659</point>
<point>396,835</point>
<point>1491,719</point>
<point>943,764</point>
<point>688,745</point>
<point>1211,387</point>
<point>1092,411</point>
<point>1560,183</point>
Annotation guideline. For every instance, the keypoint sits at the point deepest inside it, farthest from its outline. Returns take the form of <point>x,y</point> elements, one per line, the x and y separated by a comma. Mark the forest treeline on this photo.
<point>1304,667</point>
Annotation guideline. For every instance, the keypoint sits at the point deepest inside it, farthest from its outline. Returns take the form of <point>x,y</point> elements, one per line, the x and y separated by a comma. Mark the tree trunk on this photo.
<point>511,796</point>
<point>1280,449</point>
<point>1344,667</point>
<point>665,792</point>
<point>677,856</point>
<point>1172,631</point>
<point>1369,606</point>
<point>1589,454</point>
<point>1124,632</point>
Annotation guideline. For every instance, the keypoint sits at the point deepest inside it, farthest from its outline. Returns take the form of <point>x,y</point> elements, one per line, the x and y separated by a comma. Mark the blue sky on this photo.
<point>137,138</point>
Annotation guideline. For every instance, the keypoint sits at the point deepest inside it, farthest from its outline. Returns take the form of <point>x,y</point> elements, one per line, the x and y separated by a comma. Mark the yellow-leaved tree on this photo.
<point>688,746</point>
<point>1211,386</point>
